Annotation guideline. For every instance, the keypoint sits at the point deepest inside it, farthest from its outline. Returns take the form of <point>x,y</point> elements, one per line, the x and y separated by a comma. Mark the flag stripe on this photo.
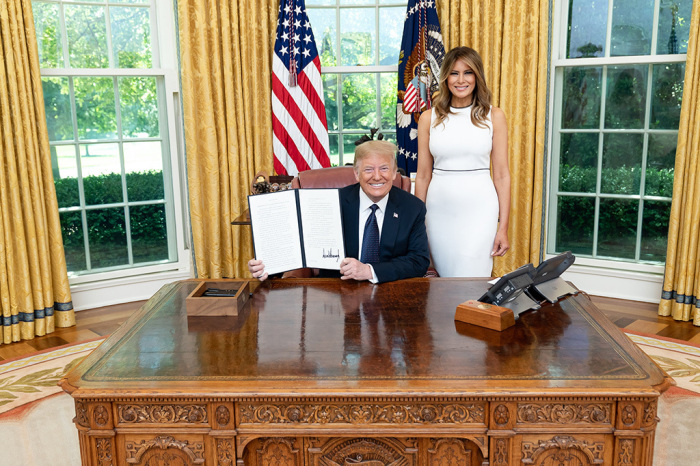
<point>300,130</point>
<point>286,150</point>
<point>303,138</point>
<point>299,124</point>
<point>302,97</point>
<point>313,92</point>
<point>294,109</point>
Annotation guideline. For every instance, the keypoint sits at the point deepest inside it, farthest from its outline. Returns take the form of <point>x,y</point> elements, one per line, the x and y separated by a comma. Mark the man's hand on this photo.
<point>257,269</point>
<point>352,269</point>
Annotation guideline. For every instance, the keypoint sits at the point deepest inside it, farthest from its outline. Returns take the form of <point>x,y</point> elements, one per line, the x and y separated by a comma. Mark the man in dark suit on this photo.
<point>400,219</point>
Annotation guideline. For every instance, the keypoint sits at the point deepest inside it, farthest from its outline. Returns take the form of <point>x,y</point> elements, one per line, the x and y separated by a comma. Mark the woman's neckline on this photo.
<point>460,108</point>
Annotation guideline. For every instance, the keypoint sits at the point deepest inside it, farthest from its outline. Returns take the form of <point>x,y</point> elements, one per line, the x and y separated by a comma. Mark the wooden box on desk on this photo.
<point>485,315</point>
<point>198,305</point>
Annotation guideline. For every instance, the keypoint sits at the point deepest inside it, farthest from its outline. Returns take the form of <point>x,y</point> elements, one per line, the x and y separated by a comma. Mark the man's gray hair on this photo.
<point>375,147</point>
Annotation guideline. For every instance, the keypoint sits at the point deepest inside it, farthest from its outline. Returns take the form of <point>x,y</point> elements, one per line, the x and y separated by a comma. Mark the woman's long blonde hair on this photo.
<point>481,97</point>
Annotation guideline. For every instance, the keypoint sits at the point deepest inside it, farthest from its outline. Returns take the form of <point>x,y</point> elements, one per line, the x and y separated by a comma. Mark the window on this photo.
<point>109,132</point>
<point>359,43</point>
<point>618,86</point>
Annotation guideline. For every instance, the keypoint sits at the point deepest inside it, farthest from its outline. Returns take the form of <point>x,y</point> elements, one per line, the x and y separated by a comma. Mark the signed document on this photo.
<point>297,228</point>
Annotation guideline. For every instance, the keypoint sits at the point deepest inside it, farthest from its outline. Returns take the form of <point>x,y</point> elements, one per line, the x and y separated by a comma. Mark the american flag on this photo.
<point>422,51</point>
<point>300,131</point>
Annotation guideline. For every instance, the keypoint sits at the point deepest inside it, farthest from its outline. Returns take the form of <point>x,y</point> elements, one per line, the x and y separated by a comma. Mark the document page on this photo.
<point>322,228</point>
<point>275,225</point>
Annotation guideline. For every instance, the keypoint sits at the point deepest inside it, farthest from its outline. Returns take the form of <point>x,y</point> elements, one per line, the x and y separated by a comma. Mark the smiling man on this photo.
<point>391,246</point>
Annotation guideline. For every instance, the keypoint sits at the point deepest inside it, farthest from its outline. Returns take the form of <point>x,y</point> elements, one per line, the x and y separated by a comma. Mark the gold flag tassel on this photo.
<point>292,73</point>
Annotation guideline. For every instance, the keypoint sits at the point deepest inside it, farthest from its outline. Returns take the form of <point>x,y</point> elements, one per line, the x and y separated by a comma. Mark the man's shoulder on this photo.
<point>349,190</point>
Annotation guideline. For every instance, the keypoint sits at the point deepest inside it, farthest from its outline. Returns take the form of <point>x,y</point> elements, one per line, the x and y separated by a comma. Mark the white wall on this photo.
<point>622,284</point>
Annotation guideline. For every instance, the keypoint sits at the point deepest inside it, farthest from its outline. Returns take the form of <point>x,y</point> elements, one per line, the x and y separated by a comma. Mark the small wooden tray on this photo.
<point>198,305</point>
<point>485,315</point>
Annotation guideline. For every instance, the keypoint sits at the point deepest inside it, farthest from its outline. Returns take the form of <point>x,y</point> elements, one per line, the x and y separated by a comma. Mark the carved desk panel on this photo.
<point>325,372</point>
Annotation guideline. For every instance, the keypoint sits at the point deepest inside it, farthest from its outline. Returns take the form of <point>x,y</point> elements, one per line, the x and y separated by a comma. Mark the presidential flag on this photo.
<point>300,131</point>
<point>422,51</point>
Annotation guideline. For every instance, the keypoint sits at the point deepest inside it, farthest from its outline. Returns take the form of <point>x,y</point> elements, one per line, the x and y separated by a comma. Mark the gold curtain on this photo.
<point>682,275</point>
<point>512,37</point>
<point>34,291</point>
<point>225,53</point>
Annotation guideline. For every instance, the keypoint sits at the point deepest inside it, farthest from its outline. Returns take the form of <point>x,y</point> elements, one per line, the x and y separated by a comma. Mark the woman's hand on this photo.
<point>500,244</point>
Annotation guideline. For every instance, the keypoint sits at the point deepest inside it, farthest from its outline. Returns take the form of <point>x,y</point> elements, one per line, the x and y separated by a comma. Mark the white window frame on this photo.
<point>141,282</point>
<point>620,279</point>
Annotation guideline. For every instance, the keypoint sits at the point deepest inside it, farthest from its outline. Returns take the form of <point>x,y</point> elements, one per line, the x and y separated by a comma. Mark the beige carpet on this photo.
<point>36,427</point>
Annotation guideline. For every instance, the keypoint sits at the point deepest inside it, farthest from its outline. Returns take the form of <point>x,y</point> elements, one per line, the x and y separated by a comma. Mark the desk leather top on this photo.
<point>322,335</point>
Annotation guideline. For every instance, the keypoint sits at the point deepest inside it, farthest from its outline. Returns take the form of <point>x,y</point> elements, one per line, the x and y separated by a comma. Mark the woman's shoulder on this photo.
<point>497,112</point>
<point>426,115</point>
<point>498,116</point>
<point>425,119</point>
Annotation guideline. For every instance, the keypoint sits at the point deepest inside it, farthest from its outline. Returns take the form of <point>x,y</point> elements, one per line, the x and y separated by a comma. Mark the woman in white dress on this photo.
<point>459,140</point>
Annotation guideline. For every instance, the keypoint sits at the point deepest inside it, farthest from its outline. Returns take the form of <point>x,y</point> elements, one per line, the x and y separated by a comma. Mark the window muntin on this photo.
<point>358,42</point>
<point>633,21</point>
<point>615,125</point>
<point>106,111</point>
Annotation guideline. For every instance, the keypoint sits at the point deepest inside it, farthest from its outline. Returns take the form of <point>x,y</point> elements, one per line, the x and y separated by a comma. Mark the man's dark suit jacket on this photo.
<point>403,247</point>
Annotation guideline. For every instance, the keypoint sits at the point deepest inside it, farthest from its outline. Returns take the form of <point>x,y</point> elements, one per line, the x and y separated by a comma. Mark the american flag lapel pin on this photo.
<point>396,215</point>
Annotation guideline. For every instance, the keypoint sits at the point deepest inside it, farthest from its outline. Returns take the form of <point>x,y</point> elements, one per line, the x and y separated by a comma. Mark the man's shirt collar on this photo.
<point>366,202</point>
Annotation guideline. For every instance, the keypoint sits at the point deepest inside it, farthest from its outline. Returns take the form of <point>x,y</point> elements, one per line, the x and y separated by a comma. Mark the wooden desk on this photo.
<point>243,219</point>
<point>327,372</point>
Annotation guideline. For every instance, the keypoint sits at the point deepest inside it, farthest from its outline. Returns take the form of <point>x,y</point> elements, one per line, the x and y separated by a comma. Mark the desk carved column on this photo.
<point>634,435</point>
<point>501,433</point>
<point>96,431</point>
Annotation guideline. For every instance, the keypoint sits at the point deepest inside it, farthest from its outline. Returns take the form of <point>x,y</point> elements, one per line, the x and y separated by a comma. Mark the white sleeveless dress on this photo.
<point>462,203</point>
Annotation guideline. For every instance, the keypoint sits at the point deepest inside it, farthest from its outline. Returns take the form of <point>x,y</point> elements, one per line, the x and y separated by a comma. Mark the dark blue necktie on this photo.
<point>370,239</point>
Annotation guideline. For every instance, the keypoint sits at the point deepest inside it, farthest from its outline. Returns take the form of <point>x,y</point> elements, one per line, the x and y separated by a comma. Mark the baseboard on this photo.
<point>610,283</point>
<point>108,293</point>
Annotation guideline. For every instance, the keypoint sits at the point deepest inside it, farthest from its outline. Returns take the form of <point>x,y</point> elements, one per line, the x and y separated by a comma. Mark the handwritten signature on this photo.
<point>329,254</point>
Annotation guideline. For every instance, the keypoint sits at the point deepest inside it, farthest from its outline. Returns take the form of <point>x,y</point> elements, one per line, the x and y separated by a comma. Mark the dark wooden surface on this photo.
<point>102,321</point>
<point>243,219</point>
<point>323,335</point>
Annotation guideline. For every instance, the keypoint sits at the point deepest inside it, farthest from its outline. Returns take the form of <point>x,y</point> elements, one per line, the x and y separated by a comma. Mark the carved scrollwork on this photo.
<point>628,416</point>
<point>194,452</point>
<point>448,451</point>
<point>500,452</point>
<point>104,451</point>
<point>501,415</point>
<point>649,413</point>
<point>100,415</point>
<point>362,414</point>
<point>223,415</point>
<point>626,456</point>
<point>81,414</point>
<point>224,452</point>
<point>562,450</point>
<point>365,452</point>
<point>162,414</point>
<point>563,413</point>
<point>277,451</point>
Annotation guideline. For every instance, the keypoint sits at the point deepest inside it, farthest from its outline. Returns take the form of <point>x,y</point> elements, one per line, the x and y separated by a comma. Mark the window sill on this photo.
<point>642,286</point>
